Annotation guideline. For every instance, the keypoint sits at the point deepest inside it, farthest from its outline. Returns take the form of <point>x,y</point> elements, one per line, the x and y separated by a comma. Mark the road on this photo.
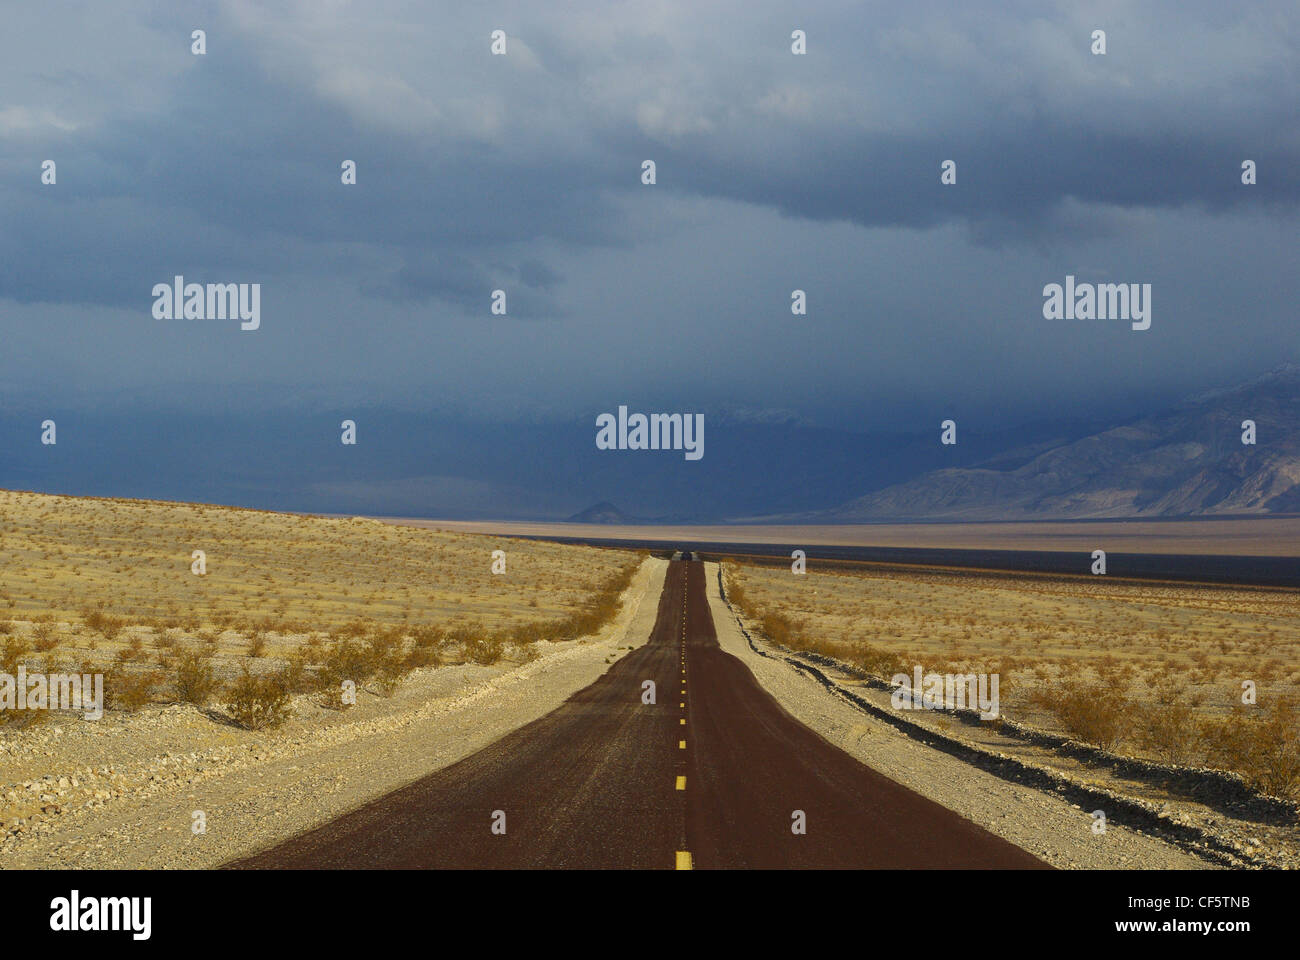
<point>710,775</point>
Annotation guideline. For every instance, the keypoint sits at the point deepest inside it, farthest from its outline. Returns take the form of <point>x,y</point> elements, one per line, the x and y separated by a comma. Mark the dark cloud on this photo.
<point>522,172</point>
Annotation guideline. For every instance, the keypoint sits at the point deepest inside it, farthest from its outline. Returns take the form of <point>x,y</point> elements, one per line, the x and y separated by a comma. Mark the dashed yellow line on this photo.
<point>681,783</point>
<point>683,860</point>
<point>681,744</point>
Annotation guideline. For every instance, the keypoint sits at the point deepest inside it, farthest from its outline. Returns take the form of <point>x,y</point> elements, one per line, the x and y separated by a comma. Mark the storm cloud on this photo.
<point>522,172</point>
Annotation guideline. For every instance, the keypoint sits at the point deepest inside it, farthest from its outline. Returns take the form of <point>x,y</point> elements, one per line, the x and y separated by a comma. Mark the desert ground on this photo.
<point>1130,646</point>
<point>132,559</point>
<point>114,586</point>
<point>249,659</point>
<point>223,686</point>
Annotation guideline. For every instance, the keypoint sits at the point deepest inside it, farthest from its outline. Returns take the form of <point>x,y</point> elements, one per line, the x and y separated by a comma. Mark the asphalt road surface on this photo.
<point>712,774</point>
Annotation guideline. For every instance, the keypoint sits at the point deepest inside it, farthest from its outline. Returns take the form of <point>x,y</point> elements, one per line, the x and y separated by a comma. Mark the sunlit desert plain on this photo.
<point>177,601</point>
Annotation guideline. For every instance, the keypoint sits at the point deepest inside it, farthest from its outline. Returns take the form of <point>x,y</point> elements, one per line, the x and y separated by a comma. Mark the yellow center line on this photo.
<point>683,860</point>
<point>681,783</point>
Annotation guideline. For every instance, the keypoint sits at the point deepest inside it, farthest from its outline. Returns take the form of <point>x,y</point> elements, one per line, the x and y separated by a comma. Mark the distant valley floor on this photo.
<point>1215,536</point>
<point>1250,551</point>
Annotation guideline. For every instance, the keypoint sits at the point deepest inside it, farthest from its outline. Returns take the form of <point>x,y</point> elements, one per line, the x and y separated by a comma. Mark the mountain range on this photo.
<point>1183,462</point>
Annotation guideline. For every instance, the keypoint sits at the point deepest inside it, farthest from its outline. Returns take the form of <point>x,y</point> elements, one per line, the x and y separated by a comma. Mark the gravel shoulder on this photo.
<point>1051,828</point>
<point>126,791</point>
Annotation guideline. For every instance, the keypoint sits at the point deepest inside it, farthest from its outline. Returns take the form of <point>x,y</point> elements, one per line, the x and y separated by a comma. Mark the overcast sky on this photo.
<point>775,172</point>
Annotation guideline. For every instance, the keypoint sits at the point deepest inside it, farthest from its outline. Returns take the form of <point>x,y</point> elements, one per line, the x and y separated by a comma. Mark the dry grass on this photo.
<point>108,583</point>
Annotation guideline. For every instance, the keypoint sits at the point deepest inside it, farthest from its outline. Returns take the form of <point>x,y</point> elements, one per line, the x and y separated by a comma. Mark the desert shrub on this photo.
<point>385,653</point>
<point>776,627</point>
<point>461,634</point>
<point>13,653</point>
<point>46,636</point>
<point>532,631</point>
<point>428,635</point>
<point>109,627</point>
<point>423,657</point>
<point>876,662</point>
<point>1008,682</point>
<point>1169,726</point>
<point>353,631</point>
<point>601,608</point>
<point>388,679</point>
<point>736,595</point>
<point>294,675</point>
<point>134,650</point>
<point>258,702</point>
<point>194,679</point>
<point>1260,743</point>
<point>343,660</point>
<point>1095,712</point>
<point>380,658</point>
<point>130,689</point>
<point>484,650</point>
<point>256,642</point>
